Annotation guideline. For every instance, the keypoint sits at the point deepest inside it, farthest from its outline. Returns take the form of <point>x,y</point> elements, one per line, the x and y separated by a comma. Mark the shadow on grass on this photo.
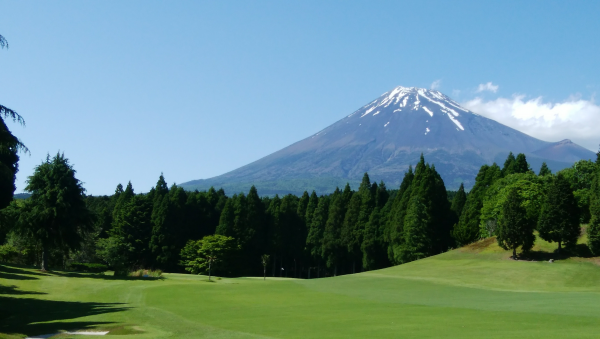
<point>34,316</point>
<point>15,273</point>
<point>580,250</point>
<point>100,276</point>
<point>15,290</point>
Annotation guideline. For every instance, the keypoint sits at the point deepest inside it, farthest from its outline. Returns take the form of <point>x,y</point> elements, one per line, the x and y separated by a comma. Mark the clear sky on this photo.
<point>194,89</point>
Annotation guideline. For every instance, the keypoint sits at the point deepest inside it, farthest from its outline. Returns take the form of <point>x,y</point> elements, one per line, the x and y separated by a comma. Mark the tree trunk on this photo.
<point>559,247</point>
<point>44,263</point>
<point>274,264</point>
<point>514,254</point>
<point>265,272</point>
<point>209,270</point>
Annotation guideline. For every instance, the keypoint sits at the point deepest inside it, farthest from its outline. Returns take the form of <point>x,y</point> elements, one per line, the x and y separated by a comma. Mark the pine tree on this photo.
<point>274,236</point>
<point>227,220</point>
<point>559,217</point>
<point>514,230</point>
<point>544,170</point>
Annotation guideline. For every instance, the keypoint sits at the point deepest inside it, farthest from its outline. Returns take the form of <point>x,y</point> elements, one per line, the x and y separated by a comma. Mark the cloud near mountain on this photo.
<point>575,118</point>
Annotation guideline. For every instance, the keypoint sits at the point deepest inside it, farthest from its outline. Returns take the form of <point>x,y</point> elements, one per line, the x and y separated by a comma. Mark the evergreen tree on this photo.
<point>313,201</point>
<point>10,146</point>
<point>394,230</point>
<point>514,230</point>
<point>417,240</point>
<point>467,229</point>
<point>508,164</point>
<point>314,240</point>
<point>459,200</point>
<point>593,231</point>
<point>55,215</point>
<point>559,217</point>
<point>274,232</point>
<point>373,251</point>
<point>520,165</point>
<point>544,170</point>
<point>334,248</point>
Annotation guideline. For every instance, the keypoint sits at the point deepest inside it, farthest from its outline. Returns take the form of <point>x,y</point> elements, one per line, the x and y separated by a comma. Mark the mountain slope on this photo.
<point>383,138</point>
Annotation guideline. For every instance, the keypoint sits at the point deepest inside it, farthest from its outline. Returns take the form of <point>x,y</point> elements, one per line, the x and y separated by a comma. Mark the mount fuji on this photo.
<point>387,135</point>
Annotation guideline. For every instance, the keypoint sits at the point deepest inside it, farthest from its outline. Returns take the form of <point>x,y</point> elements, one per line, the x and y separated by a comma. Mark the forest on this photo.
<point>310,236</point>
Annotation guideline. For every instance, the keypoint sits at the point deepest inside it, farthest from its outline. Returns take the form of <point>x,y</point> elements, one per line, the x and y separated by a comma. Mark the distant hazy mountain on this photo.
<point>387,135</point>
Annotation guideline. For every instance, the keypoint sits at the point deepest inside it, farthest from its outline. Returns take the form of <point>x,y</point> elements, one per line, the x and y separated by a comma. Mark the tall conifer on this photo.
<point>559,217</point>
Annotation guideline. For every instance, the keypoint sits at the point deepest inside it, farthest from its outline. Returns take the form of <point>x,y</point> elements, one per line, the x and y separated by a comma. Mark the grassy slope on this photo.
<point>472,292</point>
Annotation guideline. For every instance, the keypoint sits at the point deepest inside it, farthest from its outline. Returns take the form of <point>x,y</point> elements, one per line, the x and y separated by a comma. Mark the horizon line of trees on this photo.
<point>313,236</point>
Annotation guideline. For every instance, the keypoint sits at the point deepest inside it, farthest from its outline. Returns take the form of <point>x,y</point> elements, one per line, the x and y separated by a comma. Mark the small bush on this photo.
<point>8,253</point>
<point>146,273</point>
<point>88,267</point>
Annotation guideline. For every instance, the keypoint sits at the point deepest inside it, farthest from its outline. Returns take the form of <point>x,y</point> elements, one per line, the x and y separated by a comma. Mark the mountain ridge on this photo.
<point>387,135</point>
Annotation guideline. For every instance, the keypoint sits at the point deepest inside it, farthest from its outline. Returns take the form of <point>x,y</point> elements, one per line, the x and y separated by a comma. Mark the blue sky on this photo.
<point>194,89</point>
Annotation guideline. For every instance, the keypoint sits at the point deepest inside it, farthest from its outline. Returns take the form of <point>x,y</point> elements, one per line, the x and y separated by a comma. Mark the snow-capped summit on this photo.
<point>387,135</point>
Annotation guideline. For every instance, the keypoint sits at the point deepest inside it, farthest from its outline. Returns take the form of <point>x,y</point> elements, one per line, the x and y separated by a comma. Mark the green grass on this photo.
<point>472,292</point>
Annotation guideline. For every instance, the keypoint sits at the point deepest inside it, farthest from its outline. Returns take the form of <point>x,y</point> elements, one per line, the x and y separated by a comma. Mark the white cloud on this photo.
<point>436,84</point>
<point>487,87</point>
<point>575,118</point>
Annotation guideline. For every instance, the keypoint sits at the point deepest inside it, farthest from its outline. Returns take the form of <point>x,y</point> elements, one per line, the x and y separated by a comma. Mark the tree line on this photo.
<point>308,236</point>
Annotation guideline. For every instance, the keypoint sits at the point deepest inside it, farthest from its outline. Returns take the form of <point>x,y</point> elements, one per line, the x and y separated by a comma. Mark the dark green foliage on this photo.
<point>508,164</point>
<point>559,217</point>
<point>593,231</point>
<point>9,149</point>
<point>88,267</point>
<point>219,250</point>
<point>467,229</point>
<point>514,165</point>
<point>417,237</point>
<point>318,220</point>
<point>514,229</point>
<point>333,245</point>
<point>393,233</point>
<point>544,170</point>
<point>459,200</point>
<point>55,215</point>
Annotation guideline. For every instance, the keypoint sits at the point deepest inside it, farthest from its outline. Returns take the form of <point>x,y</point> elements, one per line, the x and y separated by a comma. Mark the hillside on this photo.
<point>387,135</point>
<point>471,292</point>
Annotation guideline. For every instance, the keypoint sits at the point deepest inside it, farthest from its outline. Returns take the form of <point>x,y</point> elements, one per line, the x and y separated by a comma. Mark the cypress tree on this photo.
<point>372,247</point>
<point>274,236</point>
<point>417,240</point>
<point>394,229</point>
<point>227,220</point>
<point>333,242</point>
<point>467,229</point>
<point>559,217</point>
<point>520,165</point>
<point>544,170</point>
<point>459,200</point>
<point>514,230</point>
<point>508,164</point>
<point>314,239</point>
<point>313,201</point>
